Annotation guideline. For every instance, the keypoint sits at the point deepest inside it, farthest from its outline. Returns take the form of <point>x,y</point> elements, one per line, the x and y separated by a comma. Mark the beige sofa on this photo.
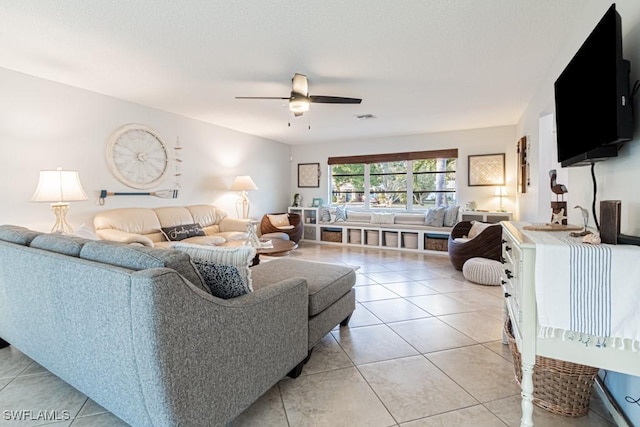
<point>144,225</point>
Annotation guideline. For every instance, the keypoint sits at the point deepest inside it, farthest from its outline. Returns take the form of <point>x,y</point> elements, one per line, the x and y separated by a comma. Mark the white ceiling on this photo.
<point>419,65</point>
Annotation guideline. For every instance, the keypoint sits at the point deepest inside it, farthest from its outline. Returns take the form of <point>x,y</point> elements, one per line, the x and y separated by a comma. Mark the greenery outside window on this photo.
<point>408,181</point>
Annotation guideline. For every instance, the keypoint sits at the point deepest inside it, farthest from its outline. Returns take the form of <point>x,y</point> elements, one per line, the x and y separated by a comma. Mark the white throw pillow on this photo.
<point>450,216</point>
<point>477,227</point>
<point>239,257</point>
<point>382,217</point>
<point>278,221</point>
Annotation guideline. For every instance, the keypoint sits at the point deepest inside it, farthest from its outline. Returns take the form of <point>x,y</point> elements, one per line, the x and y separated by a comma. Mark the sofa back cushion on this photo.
<point>174,216</point>
<point>18,235</point>
<point>136,257</point>
<point>62,244</point>
<point>131,220</point>
<point>206,215</point>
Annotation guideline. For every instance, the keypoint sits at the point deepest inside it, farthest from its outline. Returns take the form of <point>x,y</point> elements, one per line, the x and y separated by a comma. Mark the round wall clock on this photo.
<point>137,156</point>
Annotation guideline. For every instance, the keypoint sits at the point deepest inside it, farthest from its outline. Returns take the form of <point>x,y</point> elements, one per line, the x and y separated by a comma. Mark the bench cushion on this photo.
<point>327,282</point>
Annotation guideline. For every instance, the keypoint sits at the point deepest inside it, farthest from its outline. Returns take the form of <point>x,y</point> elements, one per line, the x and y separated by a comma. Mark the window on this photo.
<point>434,182</point>
<point>388,185</point>
<point>347,184</point>
<point>415,180</point>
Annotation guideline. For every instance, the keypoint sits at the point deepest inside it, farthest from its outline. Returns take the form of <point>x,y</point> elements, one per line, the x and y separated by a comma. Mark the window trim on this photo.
<point>394,157</point>
<point>391,157</point>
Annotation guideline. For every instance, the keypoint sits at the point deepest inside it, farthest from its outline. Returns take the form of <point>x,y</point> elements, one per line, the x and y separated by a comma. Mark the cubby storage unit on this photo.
<point>308,215</point>
<point>436,241</point>
<point>391,239</point>
<point>355,236</point>
<point>373,237</point>
<point>404,237</point>
<point>409,240</point>
<point>485,216</point>
<point>310,233</point>
<point>331,234</point>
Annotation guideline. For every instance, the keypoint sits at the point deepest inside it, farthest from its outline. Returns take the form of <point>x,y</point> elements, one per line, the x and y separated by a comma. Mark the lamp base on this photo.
<point>61,226</point>
<point>242,205</point>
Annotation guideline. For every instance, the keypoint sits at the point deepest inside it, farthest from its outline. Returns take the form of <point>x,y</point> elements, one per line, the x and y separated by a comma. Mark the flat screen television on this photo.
<point>592,97</point>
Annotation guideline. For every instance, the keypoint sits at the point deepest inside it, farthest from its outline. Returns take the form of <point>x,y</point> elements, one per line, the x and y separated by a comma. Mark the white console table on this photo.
<point>519,282</point>
<point>485,216</point>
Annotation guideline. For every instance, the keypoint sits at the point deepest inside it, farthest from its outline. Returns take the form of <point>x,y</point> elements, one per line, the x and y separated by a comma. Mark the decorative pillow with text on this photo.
<point>181,232</point>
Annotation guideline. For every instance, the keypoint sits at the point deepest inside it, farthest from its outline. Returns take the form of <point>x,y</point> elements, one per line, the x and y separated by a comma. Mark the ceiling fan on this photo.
<point>300,99</point>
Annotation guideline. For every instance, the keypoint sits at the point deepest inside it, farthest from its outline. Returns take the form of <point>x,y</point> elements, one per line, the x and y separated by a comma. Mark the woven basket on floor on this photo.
<point>563,388</point>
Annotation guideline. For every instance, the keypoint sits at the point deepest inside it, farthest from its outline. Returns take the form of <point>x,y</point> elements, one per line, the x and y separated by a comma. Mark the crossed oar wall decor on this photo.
<point>164,194</point>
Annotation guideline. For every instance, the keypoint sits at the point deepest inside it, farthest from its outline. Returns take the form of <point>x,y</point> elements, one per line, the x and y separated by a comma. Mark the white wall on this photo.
<point>44,125</point>
<point>614,176</point>
<point>617,178</point>
<point>475,141</point>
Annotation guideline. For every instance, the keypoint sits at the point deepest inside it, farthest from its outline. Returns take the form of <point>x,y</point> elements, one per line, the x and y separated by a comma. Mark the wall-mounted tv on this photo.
<point>592,97</point>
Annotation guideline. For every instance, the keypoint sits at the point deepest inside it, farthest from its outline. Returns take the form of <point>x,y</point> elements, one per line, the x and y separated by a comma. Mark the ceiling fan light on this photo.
<point>299,103</point>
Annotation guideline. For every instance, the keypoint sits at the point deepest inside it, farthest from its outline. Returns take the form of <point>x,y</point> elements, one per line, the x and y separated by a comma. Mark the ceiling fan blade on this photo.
<point>261,97</point>
<point>334,100</point>
<point>300,84</point>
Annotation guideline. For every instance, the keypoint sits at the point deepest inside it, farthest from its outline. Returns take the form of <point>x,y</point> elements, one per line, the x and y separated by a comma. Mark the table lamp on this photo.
<point>60,187</point>
<point>501,192</point>
<point>244,183</point>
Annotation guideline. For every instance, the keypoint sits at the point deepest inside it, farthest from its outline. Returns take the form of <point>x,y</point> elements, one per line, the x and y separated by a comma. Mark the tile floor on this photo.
<point>422,349</point>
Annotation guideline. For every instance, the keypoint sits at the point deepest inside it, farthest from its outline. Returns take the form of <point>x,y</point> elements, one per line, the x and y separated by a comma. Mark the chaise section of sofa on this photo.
<point>122,325</point>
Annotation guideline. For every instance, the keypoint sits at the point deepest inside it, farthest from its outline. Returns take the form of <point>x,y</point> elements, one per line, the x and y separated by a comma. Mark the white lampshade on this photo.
<point>500,191</point>
<point>243,183</point>
<point>59,186</point>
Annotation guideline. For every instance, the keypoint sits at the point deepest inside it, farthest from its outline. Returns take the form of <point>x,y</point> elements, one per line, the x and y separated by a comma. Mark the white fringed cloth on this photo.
<point>589,293</point>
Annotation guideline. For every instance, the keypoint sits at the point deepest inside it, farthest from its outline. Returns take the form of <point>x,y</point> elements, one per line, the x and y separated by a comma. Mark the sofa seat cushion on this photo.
<point>327,282</point>
<point>136,257</point>
<point>231,236</point>
<point>204,240</point>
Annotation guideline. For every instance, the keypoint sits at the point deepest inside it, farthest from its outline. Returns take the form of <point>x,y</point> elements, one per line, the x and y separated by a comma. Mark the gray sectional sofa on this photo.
<point>133,328</point>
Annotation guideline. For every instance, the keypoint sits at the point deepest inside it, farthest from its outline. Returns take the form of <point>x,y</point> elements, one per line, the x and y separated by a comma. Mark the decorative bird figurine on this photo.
<point>558,189</point>
<point>585,220</point>
<point>585,216</point>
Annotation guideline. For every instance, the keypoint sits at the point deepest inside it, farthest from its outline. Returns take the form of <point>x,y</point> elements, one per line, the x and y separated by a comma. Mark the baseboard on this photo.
<point>610,404</point>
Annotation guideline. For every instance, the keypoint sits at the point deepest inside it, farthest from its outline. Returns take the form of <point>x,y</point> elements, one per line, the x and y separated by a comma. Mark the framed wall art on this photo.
<point>308,175</point>
<point>486,169</point>
<point>523,165</point>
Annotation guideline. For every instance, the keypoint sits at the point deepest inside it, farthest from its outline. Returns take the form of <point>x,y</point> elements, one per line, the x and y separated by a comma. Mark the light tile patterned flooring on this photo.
<point>423,349</point>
